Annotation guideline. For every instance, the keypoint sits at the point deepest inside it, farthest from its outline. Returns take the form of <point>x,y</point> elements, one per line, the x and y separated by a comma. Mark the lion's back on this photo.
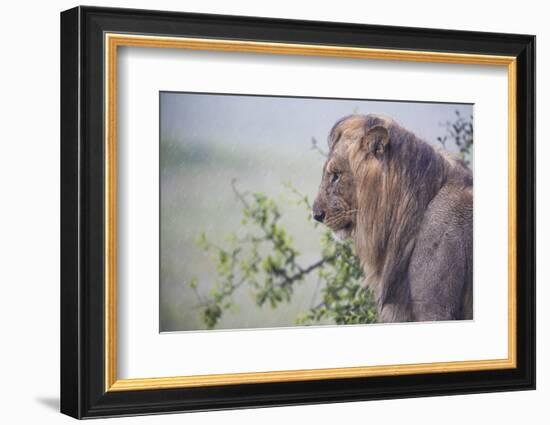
<point>440,268</point>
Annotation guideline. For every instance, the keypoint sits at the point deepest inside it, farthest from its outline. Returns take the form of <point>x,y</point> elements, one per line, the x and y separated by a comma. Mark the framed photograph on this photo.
<point>260,212</point>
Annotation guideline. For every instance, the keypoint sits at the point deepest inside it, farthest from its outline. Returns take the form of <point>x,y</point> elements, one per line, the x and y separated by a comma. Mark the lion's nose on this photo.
<point>319,216</point>
<point>318,210</point>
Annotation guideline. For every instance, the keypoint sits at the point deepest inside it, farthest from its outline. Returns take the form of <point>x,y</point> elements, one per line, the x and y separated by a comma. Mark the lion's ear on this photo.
<point>376,141</point>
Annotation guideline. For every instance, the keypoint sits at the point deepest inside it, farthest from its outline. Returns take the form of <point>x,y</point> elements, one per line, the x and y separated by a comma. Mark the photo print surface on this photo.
<point>289,211</point>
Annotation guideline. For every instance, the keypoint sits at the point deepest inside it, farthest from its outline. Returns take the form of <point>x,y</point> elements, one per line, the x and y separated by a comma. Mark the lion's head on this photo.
<point>336,202</point>
<point>376,183</point>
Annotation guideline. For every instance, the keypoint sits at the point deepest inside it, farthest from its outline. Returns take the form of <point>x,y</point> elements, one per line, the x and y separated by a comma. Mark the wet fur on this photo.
<point>408,209</point>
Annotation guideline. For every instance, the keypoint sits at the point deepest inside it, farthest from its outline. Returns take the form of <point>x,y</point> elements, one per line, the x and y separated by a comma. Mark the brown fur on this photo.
<point>408,209</point>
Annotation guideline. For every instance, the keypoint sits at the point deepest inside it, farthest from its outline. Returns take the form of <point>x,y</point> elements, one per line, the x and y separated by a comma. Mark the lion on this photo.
<point>407,207</point>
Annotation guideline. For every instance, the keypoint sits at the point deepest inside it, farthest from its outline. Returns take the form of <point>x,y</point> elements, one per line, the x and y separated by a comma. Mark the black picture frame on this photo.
<point>83,392</point>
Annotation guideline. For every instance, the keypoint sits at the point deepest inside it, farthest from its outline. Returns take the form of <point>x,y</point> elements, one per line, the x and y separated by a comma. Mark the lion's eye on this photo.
<point>335,177</point>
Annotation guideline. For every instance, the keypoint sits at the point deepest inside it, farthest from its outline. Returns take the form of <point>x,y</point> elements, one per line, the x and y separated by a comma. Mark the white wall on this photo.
<point>29,224</point>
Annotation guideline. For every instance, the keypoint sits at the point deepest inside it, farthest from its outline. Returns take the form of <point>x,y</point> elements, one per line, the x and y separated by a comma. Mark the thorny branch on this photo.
<point>266,261</point>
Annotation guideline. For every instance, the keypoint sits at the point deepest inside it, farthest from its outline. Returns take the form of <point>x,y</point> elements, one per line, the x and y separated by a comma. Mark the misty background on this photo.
<point>206,141</point>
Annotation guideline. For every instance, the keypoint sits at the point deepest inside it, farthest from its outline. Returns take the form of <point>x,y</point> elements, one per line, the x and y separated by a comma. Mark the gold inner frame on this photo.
<point>113,41</point>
